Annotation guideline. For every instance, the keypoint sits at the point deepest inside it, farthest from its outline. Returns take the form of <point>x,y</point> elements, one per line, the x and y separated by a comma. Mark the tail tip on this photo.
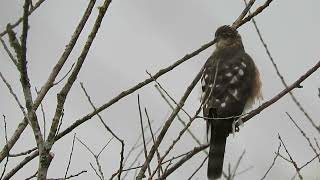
<point>214,176</point>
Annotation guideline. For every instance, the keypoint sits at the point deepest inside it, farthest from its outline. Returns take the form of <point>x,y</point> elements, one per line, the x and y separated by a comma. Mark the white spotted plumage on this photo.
<point>241,73</point>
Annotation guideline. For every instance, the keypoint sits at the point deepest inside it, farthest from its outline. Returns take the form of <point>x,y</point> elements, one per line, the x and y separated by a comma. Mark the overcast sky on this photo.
<point>141,35</point>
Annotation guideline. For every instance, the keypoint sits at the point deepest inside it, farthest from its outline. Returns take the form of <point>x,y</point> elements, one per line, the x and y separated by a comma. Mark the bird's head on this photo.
<point>227,36</point>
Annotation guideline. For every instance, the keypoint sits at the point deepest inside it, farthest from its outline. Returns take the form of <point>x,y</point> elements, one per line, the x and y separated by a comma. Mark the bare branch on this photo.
<point>178,138</point>
<point>96,157</point>
<point>14,96</point>
<point>96,172</point>
<point>293,162</point>
<point>64,76</point>
<point>75,175</point>
<point>293,97</point>
<point>183,160</point>
<point>171,98</point>
<point>296,84</point>
<point>70,156</point>
<point>303,134</point>
<point>143,137</point>
<point>43,117</point>
<point>133,89</point>
<point>236,23</point>
<point>138,86</point>
<point>6,138</point>
<point>273,162</point>
<point>307,163</point>
<point>108,129</point>
<point>32,176</point>
<point>91,152</point>
<point>200,166</point>
<point>316,141</point>
<point>32,9</point>
<point>62,95</point>
<point>49,83</point>
<point>180,119</point>
<point>104,147</point>
<point>236,166</point>
<point>8,52</point>
<point>284,158</point>
<point>25,161</point>
<point>135,146</point>
<point>255,13</point>
<point>69,177</point>
<point>153,140</point>
<point>23,153</point>
<point>167,124</point>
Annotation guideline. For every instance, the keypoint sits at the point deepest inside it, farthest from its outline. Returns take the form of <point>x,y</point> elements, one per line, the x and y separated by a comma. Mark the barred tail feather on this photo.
<point>216,154</point>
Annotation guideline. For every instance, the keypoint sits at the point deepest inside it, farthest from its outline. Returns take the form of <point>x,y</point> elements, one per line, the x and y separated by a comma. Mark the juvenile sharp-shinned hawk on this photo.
<point>230,82</point>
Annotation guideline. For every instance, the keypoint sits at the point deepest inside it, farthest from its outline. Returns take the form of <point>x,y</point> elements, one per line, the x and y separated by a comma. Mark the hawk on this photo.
<point>230,83</point>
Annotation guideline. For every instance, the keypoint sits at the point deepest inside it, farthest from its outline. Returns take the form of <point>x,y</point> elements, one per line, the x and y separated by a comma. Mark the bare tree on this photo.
<point>163,165</point>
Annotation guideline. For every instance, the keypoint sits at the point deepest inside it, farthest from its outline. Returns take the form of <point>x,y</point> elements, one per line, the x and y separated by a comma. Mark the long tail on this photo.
<point>216,153</point>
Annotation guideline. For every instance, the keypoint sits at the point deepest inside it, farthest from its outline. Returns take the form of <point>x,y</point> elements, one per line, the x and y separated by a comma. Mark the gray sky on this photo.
<point>149,35</point>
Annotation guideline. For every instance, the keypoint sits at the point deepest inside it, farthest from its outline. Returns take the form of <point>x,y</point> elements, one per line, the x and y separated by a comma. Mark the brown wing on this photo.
<point>227,85</point>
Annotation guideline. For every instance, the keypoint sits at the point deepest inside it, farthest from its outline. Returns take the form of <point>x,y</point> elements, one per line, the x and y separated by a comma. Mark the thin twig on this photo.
<point>233,174</point>
<point>284,158</point>
<point>316,141</point>
<point>180,119</point>
<point>198,168</point>
<point>153,140</point>
<point>14,96</point>
<point>142,132</point>
<point>64,76</point>
<point>32,9</point>
<point>76,175</point>
<point>303,134</point>
<point>23,153</point>
<point>166,92</point>
<point>6,138</point>
<point>136,146</point>
<point>107,128</point>
<point>164,162</point>
<point>296,84</point>
<point>25,161</point>
<point>293,97</point>
<point>62,95</point>
<point>243,14</point>
<point>95,170</point>
<point>69,177</point>
<point>32,176</point>
<point>293,162</point>
<point>55,71</point>
<point>87,147</point>
<point>245,170</point>
<point>96,157</point>
<point>308,162</point>
<point>43,116</point>
<point>273,162</point>
<point>255,13</point>
<point>104,147</point>
<point>8,52</point>
<point>183,160</point>
<point>168,124</point>
<point>138,86</point>
<point>70,156</point>
<point>166,168</point>
<point>60,121</point>
<point>178,138</point>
